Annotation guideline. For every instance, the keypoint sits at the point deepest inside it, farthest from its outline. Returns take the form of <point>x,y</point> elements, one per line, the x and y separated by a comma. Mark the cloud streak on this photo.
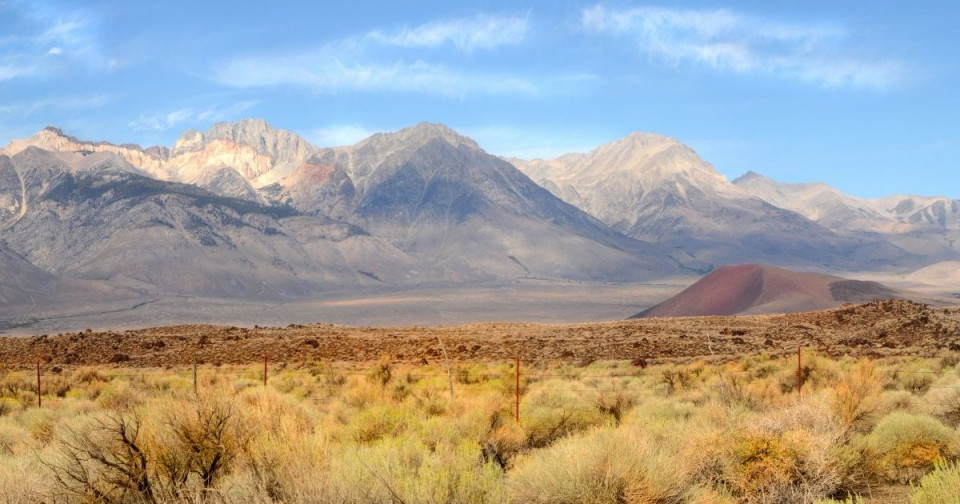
<point>177,118</point>
<point>50,40</point>
<point>369,62</point>
<point>466,34</point>
<point>730,41</point>
<point>330,70</point>
<point>59,103</point>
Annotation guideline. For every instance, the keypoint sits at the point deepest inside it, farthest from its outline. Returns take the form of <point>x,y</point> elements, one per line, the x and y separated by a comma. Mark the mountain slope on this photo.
<point>752,289</point>
<point>96,217</point>
<point>436,193</point>
<point>655,188</point>
<point>820,203</point>
<point>923,226</point>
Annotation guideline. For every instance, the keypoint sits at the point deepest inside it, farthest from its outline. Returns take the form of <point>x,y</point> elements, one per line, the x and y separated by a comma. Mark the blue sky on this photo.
<point>861,95</point>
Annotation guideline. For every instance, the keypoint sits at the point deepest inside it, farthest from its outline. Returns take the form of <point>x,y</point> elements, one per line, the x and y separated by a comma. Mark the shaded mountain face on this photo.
<point>246,210</point>
<point>423,205</point>
<point>654,188</point>
<point>23,286</point>
<point>96,217</point>
<point>436,193</point>
<point>753,288</point>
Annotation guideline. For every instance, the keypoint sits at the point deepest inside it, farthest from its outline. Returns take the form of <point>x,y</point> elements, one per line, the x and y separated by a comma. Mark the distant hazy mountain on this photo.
<point>921,225</point>
<point>250,211</point>
<point>654,188</point>
<point>423,205</point>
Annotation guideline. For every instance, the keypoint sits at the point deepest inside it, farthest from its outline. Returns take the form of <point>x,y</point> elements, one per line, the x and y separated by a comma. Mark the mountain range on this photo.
<point>248,211</point>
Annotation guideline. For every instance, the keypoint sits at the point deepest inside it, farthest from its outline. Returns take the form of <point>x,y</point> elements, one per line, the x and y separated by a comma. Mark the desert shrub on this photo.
<point>13,438</point>
<point>200,440</point>
<point>8,406</point>
<point>470,374</point>
<point>856,396</point>
<point>87,375</point>
<point>604,466</point>
<point>677,378</point>
<point>502,443</point>
<point>903,447</point>
<point>382,372</point>
<point>916,377</point>
<point>377,422</point>
<point>785,456</point>
<point>104,461</point>
<point>849,499</point>
<point>548,415</point>
<point>431,401</point>
<point>949,361</point>
<point>120,396</point>
<point>614,404</point>
<point>708,495</point>
<point>945,404</point>
<point>942,486</point>
<point>23,480</point>
<point>41,424</point>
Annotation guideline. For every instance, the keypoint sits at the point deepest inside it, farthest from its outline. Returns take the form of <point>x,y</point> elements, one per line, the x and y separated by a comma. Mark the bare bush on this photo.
<point>104,461</point>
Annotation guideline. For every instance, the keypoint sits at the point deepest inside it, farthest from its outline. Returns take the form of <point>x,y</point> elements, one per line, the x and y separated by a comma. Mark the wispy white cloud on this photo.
<point>179,117</point>
<point>731,41</point>
<point>370,62</point>
<point>331,70</point>
<point>466,34</point>
<point>338,134</point>
<point>26,109</point>
<point>47,40</point>
<point>10,71</point>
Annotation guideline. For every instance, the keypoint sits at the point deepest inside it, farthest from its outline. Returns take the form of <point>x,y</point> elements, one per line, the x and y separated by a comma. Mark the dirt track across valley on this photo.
<point>873,329</point>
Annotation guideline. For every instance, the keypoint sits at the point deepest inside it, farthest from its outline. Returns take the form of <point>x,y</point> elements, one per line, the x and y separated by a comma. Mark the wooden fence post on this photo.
<point>196,388</point>
<point>39,394</point>
<point>517,390</point>
<point>264,370</point>
<point>799,371</point>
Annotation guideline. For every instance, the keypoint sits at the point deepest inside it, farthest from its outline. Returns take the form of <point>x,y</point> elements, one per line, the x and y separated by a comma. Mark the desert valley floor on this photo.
<point>882,328</point>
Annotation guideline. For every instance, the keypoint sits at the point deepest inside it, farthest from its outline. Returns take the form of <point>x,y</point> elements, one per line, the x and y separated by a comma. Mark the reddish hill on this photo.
<point>754,288</point>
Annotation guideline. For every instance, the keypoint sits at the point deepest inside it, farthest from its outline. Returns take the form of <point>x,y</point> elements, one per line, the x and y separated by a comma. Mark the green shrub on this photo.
<point>377,422</point>
<point>604,466</point>
<point>903,447</point>
<point>942,486</point>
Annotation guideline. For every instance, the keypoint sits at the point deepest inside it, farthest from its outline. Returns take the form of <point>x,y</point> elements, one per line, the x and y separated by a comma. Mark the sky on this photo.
<point>861,95</point>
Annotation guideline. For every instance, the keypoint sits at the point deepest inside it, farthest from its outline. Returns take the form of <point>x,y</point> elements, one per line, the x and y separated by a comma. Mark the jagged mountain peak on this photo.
<point>750,175</point>
<point>419,135</point>
<point>645,139</point>
<point>53,139</point>
<point>279,145</point>
<point>637,163</point>
<point>655,158</point>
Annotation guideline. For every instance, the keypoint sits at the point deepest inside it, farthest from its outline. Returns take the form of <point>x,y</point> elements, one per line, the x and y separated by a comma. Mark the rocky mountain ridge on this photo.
<point>249,211</point>
<point>654,188</point>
